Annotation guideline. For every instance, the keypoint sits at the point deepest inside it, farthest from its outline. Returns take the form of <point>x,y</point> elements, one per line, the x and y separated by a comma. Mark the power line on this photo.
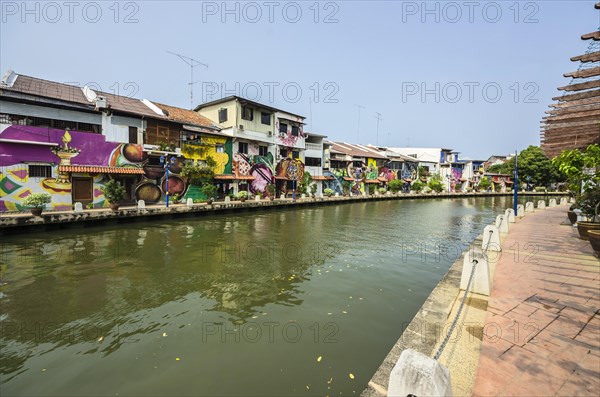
<point>192,63</point>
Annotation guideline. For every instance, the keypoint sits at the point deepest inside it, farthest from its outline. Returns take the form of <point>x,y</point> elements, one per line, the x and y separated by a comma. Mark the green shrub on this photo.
<point>209,190</point>
<point>417,186</point>
<point>328,192</point>
<point>540,189</point>
<point>113,191</point>
<point>37,200</point>
<point>381,190</point>
<point>435,184</point>
<point>484,183</point>
<point>242,195</point>
<point>395,185</point>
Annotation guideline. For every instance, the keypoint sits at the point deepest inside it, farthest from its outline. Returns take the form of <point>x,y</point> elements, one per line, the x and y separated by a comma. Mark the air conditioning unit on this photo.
<point>270,133</point>
<point>241,128</point>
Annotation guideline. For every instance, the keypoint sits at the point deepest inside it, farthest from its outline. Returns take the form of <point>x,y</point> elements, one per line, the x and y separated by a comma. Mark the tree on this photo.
<point>484,183</point>
<point>532,162</point>
<point>435,183</point>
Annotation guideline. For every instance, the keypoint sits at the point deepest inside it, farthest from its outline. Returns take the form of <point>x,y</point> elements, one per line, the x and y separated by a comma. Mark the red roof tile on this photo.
<point>93,169</point>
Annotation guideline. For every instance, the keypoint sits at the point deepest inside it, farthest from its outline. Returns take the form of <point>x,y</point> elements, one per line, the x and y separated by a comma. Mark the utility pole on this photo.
<point>358,123</point>
<point>379,118</point>
<point>192,63</point>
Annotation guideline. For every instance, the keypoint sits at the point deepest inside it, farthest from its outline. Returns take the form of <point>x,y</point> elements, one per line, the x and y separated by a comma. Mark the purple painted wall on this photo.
<point>94,148</point>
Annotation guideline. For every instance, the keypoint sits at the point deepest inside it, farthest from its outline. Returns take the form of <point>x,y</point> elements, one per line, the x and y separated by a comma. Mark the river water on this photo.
<point>282,303</point>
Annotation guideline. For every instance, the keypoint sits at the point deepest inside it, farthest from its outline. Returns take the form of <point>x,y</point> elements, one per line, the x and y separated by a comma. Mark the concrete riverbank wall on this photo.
<point>24,222</point>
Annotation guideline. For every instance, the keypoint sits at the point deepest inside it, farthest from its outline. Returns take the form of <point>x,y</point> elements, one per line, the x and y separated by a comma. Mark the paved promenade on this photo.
<point>542,328</point>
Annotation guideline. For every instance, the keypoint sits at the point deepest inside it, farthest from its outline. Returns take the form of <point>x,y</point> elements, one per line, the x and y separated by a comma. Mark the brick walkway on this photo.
<point>542,332</point>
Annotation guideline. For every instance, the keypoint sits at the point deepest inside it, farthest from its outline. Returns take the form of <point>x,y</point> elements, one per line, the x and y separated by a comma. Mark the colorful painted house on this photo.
<point>265,141</point>
<point>67,141</point>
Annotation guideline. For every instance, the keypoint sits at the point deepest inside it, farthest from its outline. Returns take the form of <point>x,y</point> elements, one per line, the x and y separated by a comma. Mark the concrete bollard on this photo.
<point>481,282</point>
<point>227,199</point>
<point>303,196</point>
<point>189,202</point>
<point>502,224</point>
<point>337,194</point>
<point>563,201</point>
<point>509,214</point>
<point>541,204</point>
<point>552,203</point>
<point>78,208</point>
<point>529,206</point>
<point>282,196</point>
<point>257,198</point>
<point>418,375</point>
<point>520,210</point>
<point>141,204</point>
<point>572,200</point>
<point>491,239</point>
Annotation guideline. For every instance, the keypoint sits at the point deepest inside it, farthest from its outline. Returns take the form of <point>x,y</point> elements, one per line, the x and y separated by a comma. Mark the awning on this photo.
<point>371,181</point>
<point>93,169</point>
<point>235,178</point>
<point>321,178</point>
<point>380,179</point>
<point>408,180</point>
<point>463,179</point>
<point>508,182</point>
<point>347,178</point>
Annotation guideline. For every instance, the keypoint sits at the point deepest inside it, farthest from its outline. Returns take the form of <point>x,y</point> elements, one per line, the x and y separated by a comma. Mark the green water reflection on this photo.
<point>240,304</point>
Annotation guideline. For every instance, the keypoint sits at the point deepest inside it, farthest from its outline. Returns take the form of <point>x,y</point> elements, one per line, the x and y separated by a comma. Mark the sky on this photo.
<point>473,76</point>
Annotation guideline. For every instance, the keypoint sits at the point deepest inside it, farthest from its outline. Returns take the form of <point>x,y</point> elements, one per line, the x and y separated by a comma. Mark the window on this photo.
<point>283,152</point>
<point>133,135</point>
<point>283,128</point>
<point>312,161</point>
<point>243,147</point>
<point>265,118</point>
<point>295,130</point>
<point>247,113</point>
<point>263,151</point>
<point>295,154</point>
<point>219,148</point>
<point>222,115</point>
<point>49,123</point>
<point>40,171</point>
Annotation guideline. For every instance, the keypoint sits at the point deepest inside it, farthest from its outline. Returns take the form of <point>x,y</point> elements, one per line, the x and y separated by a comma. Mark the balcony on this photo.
<point>313,146</point>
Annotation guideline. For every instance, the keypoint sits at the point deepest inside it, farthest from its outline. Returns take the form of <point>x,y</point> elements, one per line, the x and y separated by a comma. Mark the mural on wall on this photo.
<point>456,178</point>
<point>387,173</point>
<point>409,171</point>
<point>72,147</point>
<point>209,148</point>
<point>287,138</point>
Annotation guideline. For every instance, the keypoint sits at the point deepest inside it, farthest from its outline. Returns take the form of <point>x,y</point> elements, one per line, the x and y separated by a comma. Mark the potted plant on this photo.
<point>176,198</point>
<point>313,190</point>
<point>589,204</point>
<point>36,202</point>
<point>209,190</point>
<point>395,185</point>
<point>381,190</point>
<point>417,186</point>
<point>594,237</point>
<point>113,192</point>
<point>371,189</point>
<point>328,192</point>
<point>271,191</point>
<point>243,195</point>
<point>435,184</point>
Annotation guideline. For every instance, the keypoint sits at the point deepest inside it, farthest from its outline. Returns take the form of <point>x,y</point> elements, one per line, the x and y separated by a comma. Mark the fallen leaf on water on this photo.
<point>307,387</point>
<point>351,376</point>
<point>100,339</point>
<point>177,359</point>
<point>319,359</point>
<point>330,380</point>
<point>345,312</point>
<point>164,334</point>
<point>43,369</point>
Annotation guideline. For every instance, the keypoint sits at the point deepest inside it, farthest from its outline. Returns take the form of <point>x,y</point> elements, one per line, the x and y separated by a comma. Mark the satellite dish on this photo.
<point>90,94</point>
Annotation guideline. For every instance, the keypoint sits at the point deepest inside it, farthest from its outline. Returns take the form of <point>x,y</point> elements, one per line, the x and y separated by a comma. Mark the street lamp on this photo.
<point>528,182</point>
<point>357,172</point>
<point>166,163</point>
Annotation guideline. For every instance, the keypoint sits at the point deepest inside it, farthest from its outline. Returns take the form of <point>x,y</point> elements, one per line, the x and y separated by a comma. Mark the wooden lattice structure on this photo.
<point>574,121</point>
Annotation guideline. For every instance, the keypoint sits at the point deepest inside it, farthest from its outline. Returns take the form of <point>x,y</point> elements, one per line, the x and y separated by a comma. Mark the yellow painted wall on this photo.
<point>211,150</point>
<point>212,112</point>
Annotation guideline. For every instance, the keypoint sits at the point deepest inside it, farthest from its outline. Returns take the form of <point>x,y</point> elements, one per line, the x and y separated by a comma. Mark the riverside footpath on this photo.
<point>545,305</point>
<point>537,332</point>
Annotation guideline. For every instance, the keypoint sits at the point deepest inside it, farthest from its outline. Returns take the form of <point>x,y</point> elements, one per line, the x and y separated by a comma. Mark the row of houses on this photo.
<point>69,141</point>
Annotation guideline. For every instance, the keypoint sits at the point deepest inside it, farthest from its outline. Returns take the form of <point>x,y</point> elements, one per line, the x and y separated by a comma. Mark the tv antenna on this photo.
<point>358,123</point>
<point>192,63</point>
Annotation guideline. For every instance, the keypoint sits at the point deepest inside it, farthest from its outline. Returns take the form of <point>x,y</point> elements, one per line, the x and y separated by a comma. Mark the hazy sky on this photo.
<point>468,75</point>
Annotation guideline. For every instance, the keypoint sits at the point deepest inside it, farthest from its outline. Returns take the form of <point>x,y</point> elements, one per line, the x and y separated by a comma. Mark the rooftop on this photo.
<point>243,100</point>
